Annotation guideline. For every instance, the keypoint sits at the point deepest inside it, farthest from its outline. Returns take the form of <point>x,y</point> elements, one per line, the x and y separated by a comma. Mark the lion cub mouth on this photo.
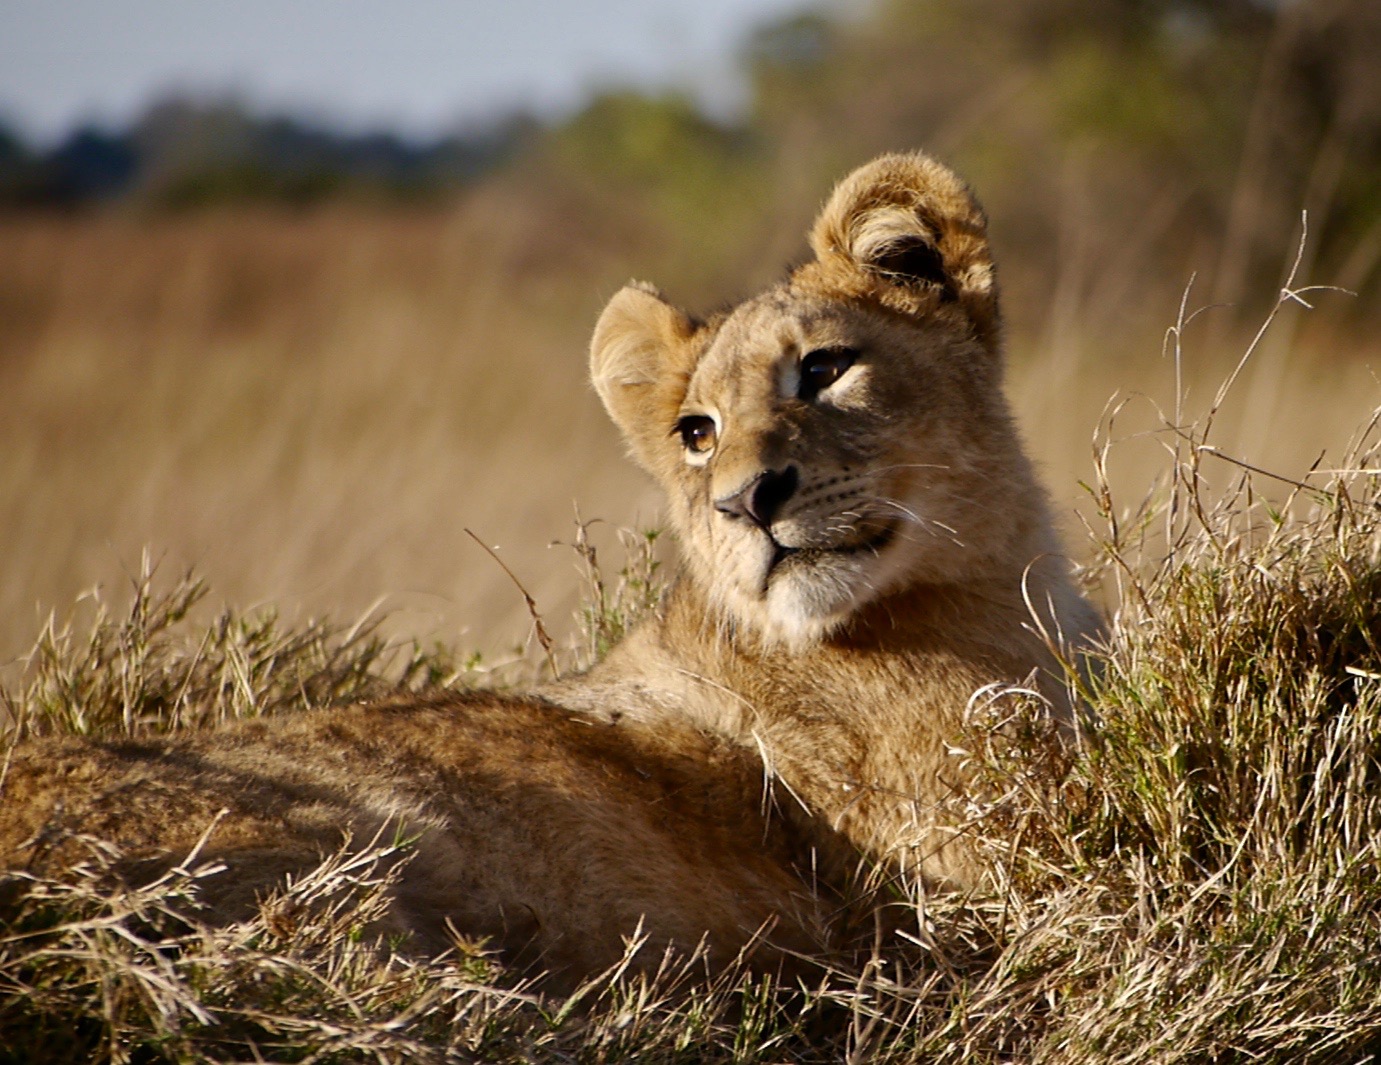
<point>795,557</point>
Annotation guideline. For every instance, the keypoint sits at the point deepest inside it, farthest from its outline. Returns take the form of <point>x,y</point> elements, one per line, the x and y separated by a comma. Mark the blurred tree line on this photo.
<point>186,153</point>
<point>1116,141</point>
<point>1118,144</point>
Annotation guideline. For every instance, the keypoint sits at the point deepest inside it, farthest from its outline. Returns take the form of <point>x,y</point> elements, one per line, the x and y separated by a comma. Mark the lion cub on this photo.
<point>862,535</point>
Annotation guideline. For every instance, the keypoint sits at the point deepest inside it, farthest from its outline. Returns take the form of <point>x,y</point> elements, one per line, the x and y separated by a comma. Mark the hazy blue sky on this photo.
<point>416,65</point>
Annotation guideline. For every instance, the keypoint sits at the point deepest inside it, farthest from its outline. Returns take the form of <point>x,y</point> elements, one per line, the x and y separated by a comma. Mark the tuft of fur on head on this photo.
<point>911,230</point>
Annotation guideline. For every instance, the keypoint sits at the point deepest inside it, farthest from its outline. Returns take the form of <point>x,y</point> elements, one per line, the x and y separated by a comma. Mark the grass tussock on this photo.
<point>153,668</point>
<point>1195,881</point>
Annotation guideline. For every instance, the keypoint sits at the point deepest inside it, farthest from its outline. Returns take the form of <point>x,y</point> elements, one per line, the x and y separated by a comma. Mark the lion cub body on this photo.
<point>865,547</point>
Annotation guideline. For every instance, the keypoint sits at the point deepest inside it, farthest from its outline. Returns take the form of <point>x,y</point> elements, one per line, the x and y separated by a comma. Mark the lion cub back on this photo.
<point>551,837</point>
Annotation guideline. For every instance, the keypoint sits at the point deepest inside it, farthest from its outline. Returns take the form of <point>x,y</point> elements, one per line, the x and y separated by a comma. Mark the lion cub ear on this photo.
<point>641,358</point>
<point>915,233</point>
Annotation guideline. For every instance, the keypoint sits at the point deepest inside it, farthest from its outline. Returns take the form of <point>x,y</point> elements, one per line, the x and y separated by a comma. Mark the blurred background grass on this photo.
<point>306,374</point>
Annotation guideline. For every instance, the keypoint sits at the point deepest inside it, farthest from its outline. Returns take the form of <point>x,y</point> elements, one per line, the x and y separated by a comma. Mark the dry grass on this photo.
<point>309,408</point>
<point>1196,883</point>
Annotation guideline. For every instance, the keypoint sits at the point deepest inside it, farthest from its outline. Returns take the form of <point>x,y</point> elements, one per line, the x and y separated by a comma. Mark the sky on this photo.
<point>420,67</point>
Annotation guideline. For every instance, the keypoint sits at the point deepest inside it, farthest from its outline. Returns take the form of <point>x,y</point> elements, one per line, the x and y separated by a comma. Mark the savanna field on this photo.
<point>246,445</point>
<point>310,408</point>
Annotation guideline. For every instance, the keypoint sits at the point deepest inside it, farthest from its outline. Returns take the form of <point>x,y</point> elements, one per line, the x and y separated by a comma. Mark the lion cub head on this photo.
<point>841,438</point>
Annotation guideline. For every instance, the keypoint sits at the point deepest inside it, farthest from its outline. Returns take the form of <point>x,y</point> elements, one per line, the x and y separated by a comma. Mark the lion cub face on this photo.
<point>841,437</point>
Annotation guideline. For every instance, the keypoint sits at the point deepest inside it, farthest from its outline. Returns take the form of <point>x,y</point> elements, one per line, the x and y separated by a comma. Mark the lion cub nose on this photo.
<point>761,498</point>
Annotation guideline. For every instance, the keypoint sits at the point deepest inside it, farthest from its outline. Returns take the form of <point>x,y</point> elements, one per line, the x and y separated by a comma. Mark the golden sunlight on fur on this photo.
<point>865,547</point>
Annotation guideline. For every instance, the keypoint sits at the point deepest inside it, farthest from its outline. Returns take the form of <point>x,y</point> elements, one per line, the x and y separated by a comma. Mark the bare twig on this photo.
<point>541,630</point>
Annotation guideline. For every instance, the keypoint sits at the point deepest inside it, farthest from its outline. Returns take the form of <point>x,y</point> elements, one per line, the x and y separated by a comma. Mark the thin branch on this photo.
<point>541,629</point>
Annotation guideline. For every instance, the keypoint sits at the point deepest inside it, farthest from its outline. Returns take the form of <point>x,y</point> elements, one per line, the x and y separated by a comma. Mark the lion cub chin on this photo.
<point>862,536</point>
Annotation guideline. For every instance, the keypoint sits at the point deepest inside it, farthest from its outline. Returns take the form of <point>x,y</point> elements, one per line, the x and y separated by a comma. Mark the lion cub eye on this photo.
<point>822,368</point>
<point>697,433</point>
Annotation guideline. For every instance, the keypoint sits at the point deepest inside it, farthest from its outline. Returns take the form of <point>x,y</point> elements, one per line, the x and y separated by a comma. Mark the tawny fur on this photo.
<point>778,726</point>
